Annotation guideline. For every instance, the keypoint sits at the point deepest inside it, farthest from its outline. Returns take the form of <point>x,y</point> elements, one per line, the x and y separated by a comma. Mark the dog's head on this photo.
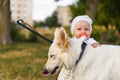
<point>59,45</point>
<point>58,53</point>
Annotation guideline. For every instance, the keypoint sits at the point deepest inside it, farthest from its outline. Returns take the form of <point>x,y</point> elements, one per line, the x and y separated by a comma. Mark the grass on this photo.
<point>23,61</point>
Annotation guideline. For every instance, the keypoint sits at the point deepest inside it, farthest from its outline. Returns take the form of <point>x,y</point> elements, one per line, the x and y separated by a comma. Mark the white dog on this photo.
<point>101,63</point>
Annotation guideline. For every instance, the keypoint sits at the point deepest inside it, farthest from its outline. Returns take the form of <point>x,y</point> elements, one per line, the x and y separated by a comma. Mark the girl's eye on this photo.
<point>87,29</point>
<point>79,29</point>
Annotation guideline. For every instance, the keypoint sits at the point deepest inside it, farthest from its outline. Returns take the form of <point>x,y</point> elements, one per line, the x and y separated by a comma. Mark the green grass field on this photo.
<point>23,61</point>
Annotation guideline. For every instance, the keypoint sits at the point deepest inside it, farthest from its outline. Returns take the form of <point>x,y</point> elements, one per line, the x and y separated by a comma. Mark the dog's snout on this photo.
<point>45,71</point>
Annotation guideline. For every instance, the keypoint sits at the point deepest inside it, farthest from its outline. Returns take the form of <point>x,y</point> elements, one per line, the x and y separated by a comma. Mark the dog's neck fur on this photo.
<point>72,53</point>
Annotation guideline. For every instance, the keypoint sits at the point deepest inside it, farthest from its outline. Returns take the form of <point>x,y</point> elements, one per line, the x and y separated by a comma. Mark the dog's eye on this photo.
<point>51,56</point>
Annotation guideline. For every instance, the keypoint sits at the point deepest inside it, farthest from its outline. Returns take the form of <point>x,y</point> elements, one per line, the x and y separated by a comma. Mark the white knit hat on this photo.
<point>81,18</point>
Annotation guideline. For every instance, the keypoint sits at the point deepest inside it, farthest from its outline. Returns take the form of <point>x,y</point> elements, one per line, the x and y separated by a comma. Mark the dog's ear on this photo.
<point>61,37</point>
<point>56,33</point>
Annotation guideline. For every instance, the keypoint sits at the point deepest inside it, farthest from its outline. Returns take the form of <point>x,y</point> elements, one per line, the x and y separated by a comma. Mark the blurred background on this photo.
<point>23,54</point>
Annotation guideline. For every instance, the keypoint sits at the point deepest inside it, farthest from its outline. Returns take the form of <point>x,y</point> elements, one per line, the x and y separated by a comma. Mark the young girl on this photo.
<point>81,26</point>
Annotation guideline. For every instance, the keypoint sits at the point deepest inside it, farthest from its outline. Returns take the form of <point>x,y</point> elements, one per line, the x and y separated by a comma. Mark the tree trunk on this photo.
<point>5,37</point>
<point>91,8</point>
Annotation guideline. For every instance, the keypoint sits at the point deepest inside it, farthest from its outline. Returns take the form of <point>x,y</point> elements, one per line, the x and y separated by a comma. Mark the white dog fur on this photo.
<point>101,63</point>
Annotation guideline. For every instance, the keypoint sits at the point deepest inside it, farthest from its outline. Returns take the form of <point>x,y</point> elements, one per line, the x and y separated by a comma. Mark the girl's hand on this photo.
<point>95,45</point>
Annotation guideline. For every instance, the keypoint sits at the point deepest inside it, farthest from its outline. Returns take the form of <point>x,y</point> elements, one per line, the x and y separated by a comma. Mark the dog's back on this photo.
<point>101,63</point>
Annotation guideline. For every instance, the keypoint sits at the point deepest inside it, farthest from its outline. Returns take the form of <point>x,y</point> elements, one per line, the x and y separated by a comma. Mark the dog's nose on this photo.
<point>45,71</point>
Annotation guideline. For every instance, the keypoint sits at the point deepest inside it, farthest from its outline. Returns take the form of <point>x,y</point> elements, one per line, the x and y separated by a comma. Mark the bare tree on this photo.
<point>91,7</point>
<point>5,37</point>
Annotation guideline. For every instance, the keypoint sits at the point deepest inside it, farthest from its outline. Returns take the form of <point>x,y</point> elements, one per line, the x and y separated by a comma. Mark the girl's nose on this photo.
<point>82,31</point>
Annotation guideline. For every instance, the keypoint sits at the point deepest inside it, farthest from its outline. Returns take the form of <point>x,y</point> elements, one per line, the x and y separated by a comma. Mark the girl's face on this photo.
<point>82,28</point>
